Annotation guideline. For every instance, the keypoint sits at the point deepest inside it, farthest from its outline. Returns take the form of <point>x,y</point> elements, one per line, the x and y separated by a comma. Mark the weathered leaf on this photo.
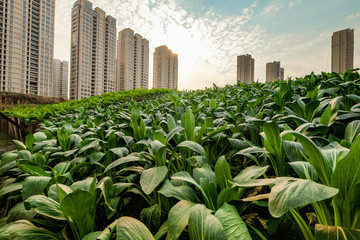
<point>204,226</point>
<point>129,228</point>
<point>235,227</point>
<point>178,219</point>
<point>323,232</point>
<point>291,193</point>
<point>250,173</point>
<point>152,177</point>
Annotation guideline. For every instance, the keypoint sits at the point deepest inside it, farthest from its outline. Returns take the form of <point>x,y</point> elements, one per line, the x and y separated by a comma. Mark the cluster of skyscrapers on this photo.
<point>342,59</point>
<point>99,62</point>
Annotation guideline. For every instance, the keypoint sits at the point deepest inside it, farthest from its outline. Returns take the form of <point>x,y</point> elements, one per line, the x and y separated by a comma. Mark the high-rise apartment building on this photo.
<point>93,51</point>
<point>342,50</point>
<point>245,69</point>
<point>27,46</point>
<point>132,69</point>
<point>165,74</point>
<point>60,78</point>
<point>274,71</point>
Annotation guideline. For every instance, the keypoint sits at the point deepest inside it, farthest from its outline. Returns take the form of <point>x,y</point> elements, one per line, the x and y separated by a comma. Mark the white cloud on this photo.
<point>271,8</point>
<point>291,4</point>
<point>353,16</point>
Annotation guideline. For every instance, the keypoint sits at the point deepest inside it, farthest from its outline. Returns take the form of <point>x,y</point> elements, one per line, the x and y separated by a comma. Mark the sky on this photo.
<point>208,35</point>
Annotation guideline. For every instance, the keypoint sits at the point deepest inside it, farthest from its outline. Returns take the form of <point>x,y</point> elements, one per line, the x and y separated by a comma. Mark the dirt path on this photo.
<point>6,143</point>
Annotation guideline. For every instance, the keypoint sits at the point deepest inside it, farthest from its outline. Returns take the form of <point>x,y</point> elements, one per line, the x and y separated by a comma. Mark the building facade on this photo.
<point>274,71</point>
<point>132,69</point>
<point>245,69</point>
<point>342,50</point>
<point>60,78</point>
<point>165,69</point>
<point>27,46</point>
<point>93,51</point>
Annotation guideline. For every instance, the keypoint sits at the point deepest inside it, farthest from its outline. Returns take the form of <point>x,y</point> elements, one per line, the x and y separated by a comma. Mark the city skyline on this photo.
<point>210,35</point>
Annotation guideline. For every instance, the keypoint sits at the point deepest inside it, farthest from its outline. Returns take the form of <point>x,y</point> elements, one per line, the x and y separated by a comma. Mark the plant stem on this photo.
<point>308,235</point>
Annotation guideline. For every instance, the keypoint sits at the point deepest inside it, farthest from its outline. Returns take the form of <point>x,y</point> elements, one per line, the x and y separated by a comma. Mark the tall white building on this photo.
<point>132,61</point>
<point>165,74</point>
<point>93,51</point>
<point>27,46</point>
<point>342,50</point>
<point>245,69</point>
<point>274,71</point>
<point>60,78</point>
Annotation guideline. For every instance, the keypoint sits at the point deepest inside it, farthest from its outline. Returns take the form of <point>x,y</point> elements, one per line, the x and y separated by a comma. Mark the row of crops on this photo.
<point>258,161</point>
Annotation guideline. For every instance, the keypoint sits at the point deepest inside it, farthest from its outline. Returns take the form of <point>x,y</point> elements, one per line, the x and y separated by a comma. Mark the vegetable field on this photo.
<point>259,161</point>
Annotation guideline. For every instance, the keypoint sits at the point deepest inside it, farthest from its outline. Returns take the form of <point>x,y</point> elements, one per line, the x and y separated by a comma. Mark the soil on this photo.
<point>6,143</point>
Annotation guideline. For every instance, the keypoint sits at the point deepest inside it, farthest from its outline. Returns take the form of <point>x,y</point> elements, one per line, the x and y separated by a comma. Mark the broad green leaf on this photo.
<point>151,178</point>
<point>188,123</point>
<point>21,145</point>
<point>304,170</point>
<point>129,228</point>
<point>25,230</point>
<point>29,142</point>
<point>333,153</point>
<point>120,151</point>
<point>162,231</point>
<point>193,146</point>
<point>222,173</point>
<point>235,227</point>
<point>53,192</point>
<point>151,217</point>
<point>26,155</point>
<point>173,132</point>
<point>250,173</point>
<point>79,207</point>
<point>291,193</point>
<point>93,236</point>
<point>323,232</point>
<point>44,206</point>
<point>10,188</point>
<point>18,212</point>
<point>345,177</point>
<point>204,172</point>
<point>227,195</point>
<point>107,188</point>
<point>178,219</point>
<point>134,157</point>
<point>352,131</point>
<point>34,186</point>
<point>330,113</point>
<point>185,176</point>
<point>40,136</point>
<point>84,184</point>
<point>205,226</point>
<point>315,156</point>
<point>210,193</point>
<point>182,192</point>
<point>294,150</point>
<point>96,156</point>
<point>32,170</point>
